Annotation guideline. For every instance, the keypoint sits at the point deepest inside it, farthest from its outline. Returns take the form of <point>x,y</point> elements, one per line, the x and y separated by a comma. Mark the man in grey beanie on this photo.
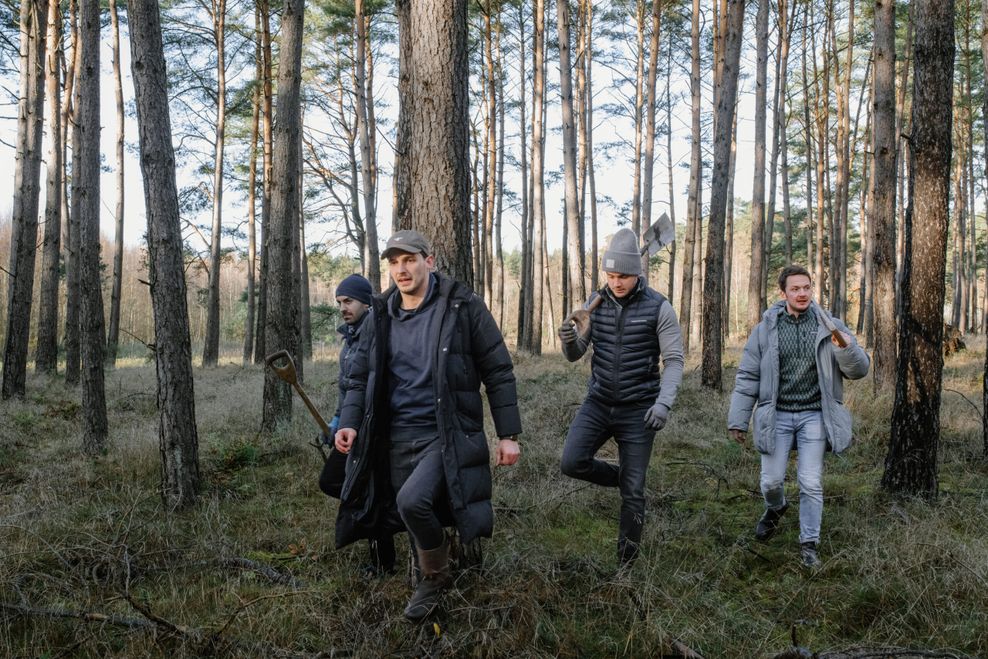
<point>631,329</point>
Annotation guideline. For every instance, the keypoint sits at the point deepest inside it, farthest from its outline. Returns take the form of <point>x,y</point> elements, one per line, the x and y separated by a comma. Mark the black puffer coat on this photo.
<point>468,350</point>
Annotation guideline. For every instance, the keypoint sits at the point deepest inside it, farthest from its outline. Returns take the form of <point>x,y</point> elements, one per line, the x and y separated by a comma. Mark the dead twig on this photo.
<point>264,570</point>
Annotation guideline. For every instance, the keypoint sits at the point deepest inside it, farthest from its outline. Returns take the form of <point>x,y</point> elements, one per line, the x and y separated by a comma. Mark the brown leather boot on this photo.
<point>434,564</point>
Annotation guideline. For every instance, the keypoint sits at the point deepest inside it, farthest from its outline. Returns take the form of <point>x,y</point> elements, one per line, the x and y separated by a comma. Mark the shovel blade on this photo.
<point>661,233</point>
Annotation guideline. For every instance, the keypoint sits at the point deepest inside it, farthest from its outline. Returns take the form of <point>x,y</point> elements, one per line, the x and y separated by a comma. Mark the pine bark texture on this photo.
<point>577,285</point>
<point>177,435</point>
<point>371,253</point>
<point>911,463</point>
<point>46,354</point>
<point>883,195</point>
<point>713,278</point>
<point>694,200</point>
<point>281,323</point>
<point>756,273</point>
<point>440,132</point>
<point>401,218</point>
<point>27,187</point>
<point>86,202</point>
<point>211,343</point>
<point>113,331</point>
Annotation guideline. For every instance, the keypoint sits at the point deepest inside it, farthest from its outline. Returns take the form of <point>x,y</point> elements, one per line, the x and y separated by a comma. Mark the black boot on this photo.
<point>629,539</point>
<point>382,556</point>
<point>811,559</point>
<point>435,579</point>
<point>769,522</point>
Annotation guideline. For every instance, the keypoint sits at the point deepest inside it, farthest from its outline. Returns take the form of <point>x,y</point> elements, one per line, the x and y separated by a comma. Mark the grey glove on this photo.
<point>656,416</point>
<point>567,333</point>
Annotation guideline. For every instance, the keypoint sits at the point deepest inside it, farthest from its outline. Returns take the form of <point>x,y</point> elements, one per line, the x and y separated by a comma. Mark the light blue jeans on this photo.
<point>803,431</point>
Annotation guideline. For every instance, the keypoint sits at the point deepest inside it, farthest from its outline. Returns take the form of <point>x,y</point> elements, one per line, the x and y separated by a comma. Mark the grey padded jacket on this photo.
<point>756,386</point>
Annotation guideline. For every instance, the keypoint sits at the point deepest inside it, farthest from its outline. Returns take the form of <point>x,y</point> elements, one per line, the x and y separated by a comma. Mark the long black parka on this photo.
<point>467,350</point>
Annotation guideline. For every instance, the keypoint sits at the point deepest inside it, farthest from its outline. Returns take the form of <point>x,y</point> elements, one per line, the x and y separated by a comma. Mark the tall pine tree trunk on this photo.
<point>177,435</point>
<point>27,187</point>
<point>211,345</point>
<point>113,331</point>
<point>46,356</point>
<point>371,254</point>
<point>756,274</point>
<point>440,159</point>
<point>255,126</point>
<point>694,201</point>
<point>911,463</point>
<point>713,278</point>
<point>577,267</point>
<point>282,302</point>
<point>86,202</point>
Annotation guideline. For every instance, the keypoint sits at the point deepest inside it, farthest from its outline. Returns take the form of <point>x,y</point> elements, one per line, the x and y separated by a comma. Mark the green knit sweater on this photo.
<point>799,385</point>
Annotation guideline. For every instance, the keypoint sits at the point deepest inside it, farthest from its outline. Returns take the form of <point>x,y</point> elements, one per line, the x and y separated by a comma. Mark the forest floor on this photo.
<point>91,565</point>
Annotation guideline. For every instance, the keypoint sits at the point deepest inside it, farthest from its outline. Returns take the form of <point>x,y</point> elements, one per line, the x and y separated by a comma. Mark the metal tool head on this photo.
<point>286,372</point>
<point>661,233</point>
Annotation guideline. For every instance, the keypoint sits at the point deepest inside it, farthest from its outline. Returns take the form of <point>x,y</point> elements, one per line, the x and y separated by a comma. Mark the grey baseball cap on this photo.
<point>408,241</point>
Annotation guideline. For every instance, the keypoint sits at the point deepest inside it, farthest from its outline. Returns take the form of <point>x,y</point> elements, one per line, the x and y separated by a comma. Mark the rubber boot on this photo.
<point>434,564</point>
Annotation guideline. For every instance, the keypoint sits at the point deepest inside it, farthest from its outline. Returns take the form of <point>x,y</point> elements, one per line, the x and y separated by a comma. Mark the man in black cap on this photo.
<point>353,296</point>
<point>631,330</point>
<point>415,398</point>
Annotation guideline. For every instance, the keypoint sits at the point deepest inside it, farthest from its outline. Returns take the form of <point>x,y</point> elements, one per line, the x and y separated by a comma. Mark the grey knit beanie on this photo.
<point>622,254</point>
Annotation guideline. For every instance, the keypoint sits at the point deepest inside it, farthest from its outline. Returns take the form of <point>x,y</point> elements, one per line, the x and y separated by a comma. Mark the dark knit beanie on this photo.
<point>355,287</point>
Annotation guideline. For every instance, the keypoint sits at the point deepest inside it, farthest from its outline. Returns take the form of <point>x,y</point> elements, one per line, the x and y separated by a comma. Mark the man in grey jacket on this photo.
<point>791,374</point>
<point>631,329</point>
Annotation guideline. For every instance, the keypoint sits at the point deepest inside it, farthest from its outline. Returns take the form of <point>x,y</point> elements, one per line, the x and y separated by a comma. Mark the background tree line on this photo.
<point>866,169</point>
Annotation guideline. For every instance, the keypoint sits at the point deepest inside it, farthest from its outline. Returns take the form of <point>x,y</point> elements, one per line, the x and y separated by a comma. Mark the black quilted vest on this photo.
<point>625,365</point>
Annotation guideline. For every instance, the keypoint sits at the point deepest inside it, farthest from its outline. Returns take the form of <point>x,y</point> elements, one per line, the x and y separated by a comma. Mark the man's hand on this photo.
<point>738,435</point>
<point>344,439</point>
<point>656,417</point>
<point>833,339</point>
<point>567,332</point>
<point>507,452</point>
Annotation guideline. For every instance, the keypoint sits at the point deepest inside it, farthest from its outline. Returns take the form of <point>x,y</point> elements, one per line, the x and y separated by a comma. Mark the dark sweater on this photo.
<point>412,393</point>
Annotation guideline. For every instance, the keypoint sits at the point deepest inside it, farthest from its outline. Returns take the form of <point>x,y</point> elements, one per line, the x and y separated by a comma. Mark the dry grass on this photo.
<point>90,536</point>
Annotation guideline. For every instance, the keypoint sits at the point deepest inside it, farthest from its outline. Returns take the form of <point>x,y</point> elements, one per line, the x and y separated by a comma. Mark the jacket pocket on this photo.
<point>763,427</point>
<point>840,419</point>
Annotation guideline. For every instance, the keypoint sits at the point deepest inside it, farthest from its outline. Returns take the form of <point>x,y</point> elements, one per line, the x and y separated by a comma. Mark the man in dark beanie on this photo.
<point>631,328</point>
<point>353,296</point>
<point>413,421</point>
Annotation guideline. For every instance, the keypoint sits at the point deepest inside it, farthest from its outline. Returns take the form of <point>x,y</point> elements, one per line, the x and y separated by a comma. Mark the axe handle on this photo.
<point>829,324</point>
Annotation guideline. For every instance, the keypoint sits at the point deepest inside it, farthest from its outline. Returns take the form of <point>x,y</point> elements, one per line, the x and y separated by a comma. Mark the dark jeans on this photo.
<point>418,477</point>
<point>593,425</point>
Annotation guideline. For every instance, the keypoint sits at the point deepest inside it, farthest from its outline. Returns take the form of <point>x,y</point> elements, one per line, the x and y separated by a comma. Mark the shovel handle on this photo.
<point>829,324</point>
<point>290,375</point>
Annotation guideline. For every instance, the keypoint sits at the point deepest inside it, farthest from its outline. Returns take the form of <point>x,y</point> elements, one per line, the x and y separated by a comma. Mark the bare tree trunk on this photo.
<point>693,204</point>
<point>538,178</point>
<point>282,303</point>
<point>577,265</point>
<point>653,65</point>
<point>591,173</point>
<point>526,278</point>
<point>71,237</point>
<point>255,126</point>
<point>86,201</point>
<point>713,281</point>
<point>113,332</point>
<point>211,345</point>
<point>901,129</point>
<point>27,187</point>
<point>672,195</point>
<point>402,219</point>
<point>177,434</point>
<point>490,140</point>
<point>267,123</point>
<point>911,463</point>
<point>756,274</point>
<point>372,255</point>
<point>499,70</point>
<point>440,130</point>
<point>305,308</point>
<point>46,356</point>
<point>636,186</point>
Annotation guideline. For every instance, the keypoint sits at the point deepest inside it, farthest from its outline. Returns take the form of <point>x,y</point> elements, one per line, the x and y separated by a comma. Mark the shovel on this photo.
<point>829,324</point>
<point>290,375</point>
<point>657,236</point>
